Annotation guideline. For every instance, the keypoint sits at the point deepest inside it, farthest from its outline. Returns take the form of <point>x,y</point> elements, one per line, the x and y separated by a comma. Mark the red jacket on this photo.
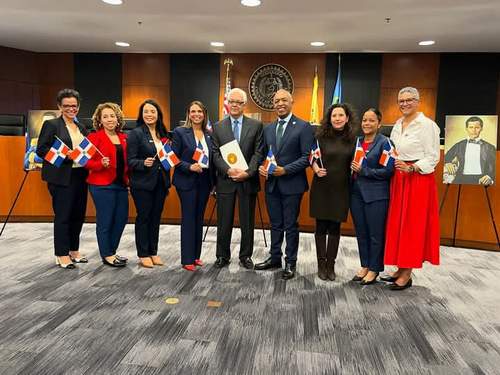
<point>98,174</point>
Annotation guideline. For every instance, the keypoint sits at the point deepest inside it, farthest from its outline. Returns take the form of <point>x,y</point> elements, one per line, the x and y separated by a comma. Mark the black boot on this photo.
<point>331,255</point>
<point>321,255</point>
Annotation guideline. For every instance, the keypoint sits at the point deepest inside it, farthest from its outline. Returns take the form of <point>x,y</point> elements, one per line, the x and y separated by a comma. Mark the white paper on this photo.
<point>233,156</point>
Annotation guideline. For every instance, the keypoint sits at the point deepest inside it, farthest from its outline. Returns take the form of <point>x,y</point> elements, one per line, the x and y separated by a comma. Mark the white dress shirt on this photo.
<point>419,141</point>
<point>472,158</point>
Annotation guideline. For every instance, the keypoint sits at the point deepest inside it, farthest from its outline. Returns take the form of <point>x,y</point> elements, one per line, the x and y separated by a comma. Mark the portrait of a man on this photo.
<point>471,159</point>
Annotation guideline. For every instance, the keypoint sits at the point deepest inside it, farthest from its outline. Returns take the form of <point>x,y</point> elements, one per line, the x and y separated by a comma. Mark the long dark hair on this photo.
<point>161,131</point>
<point>327,130</point>
<point>188,123</point>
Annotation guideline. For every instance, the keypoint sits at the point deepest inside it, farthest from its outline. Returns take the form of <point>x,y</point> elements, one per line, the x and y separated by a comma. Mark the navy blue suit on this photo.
<point>369,204</point>
<point>284,193</point>
<point>193,190</point>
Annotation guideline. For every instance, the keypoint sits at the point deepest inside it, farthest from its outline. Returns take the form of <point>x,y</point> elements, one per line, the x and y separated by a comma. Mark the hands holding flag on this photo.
<point>81,154</point>
<point>270,166</point>
<point>314,158</point>
<point>201,159</point>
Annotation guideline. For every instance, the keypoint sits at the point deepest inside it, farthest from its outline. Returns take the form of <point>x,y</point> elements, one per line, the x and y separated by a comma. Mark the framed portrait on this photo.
<point>34,125</point>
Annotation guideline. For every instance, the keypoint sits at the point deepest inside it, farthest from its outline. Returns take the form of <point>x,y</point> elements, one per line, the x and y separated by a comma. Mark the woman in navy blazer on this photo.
<point>193,181</point>
<point>370,198</point>
<point>149,182</point>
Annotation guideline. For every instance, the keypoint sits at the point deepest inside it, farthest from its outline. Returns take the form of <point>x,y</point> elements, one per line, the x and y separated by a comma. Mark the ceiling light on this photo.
<point>251,3</point>
<point>317,44</point>
<point>426,43</point>
<point>217,44</point>
<point>113,2</point>
<point>122,44</point>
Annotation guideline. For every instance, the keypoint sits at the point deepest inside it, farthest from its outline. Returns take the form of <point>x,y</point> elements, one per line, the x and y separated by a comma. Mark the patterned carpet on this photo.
<point>100,320</point>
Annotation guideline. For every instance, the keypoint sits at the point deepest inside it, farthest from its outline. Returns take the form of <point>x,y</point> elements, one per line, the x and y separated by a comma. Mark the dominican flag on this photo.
<point>359,153</point>
<point>82,153</point>
<point>57,153</point>
<point>167,157</point>
<point>315,153</point>
<point>388,154</point>
<point>270,162</point>
<point>199,156</point>
<point>209,126</point>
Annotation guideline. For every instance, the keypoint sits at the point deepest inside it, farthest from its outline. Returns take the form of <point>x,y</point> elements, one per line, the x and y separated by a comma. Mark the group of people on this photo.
<point>390,190</point>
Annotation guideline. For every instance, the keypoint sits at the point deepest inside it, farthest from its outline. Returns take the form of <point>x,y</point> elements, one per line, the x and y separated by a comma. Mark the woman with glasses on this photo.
<point>192,180</point>
<point>149,182</point>
<point>67,183</point>
<point>412,235</point>
<point>108,181</point>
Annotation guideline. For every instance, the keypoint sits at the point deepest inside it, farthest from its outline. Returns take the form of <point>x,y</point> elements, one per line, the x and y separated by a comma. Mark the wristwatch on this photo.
<point>411,169</point>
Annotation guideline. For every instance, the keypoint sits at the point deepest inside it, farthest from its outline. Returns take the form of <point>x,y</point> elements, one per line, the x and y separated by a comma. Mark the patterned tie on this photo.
<point>236,130</point>
<point>279,133</point>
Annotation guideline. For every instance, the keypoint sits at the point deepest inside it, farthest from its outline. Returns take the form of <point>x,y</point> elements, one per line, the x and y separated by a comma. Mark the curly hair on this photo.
<point>96,117</point>
<point>326,129</point>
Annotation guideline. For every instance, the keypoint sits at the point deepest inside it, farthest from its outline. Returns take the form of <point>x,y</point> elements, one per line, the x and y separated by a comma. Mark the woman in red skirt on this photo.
<point>413,219</point>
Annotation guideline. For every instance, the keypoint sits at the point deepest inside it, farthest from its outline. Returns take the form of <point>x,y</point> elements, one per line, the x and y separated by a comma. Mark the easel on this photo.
<point>212,216</point>
<point>15,201</point>
<point>457,208</point>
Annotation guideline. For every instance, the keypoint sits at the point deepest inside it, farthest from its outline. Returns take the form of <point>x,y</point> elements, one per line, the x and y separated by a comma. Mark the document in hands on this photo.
<point>233,156</point>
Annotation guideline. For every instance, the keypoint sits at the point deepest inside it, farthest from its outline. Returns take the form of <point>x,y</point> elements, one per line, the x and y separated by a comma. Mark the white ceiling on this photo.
<point>275,26</point>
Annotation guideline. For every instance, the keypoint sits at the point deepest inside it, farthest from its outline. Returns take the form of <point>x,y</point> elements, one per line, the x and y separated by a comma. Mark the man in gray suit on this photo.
<point>232,182</point>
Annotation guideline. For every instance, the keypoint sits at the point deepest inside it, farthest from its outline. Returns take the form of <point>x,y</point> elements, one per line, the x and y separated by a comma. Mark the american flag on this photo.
<point>225,109</point>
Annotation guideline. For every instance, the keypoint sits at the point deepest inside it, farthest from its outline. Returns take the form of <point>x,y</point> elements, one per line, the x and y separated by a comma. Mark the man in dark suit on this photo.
<point>290,140</point>
<point>232,182</point>
<point>472,160</point>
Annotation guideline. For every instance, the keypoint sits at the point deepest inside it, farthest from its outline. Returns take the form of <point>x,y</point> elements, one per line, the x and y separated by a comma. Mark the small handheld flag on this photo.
<point>315,153</point>
<point>199,156</point>
<point>359,153</point>
<point>82,153</point>
<point>388,154</point>
<point>167,157</point>
<point>57,153</point>
<point>270,162</point>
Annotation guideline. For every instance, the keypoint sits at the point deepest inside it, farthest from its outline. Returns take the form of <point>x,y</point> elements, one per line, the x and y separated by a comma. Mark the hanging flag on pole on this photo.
<point>337,91</point>
<point>270,163</point>
<point>225,109</point>
<point>199,156</point>
<point>82,153</point>
<point>314,117</point>
<point>57,153</point>
<point>167,157</point>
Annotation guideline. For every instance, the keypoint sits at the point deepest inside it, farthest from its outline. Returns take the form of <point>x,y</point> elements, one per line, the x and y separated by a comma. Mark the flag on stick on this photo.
<point>57,153</point>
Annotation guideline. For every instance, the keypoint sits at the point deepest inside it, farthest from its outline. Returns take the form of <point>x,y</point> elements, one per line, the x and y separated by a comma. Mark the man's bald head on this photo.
<point>282,103</point>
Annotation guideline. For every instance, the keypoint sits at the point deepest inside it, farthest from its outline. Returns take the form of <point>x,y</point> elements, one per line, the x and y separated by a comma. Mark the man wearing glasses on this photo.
<point>234,182</point>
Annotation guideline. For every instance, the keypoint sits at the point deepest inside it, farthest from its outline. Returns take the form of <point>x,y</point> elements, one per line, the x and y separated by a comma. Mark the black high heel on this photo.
<point>369,282</point>
<point>401,287</point>
<point>115,263</point>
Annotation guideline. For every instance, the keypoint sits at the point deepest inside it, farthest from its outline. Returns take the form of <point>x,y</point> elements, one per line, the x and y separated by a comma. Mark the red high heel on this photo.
<point>198,263</point>
<point>189,267</point>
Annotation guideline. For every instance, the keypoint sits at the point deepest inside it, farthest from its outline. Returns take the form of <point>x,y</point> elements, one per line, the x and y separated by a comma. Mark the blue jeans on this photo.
<point>111,206</point>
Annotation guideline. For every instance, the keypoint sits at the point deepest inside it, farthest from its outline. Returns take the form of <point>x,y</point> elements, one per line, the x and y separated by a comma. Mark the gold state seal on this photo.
<point>232,158</point>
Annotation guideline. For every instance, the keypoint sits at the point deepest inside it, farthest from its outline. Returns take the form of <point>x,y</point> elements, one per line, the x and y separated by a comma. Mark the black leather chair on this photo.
<point>12,125</point>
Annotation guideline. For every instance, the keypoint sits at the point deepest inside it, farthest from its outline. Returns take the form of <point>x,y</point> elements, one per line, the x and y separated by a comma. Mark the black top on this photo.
<point>120,165</point>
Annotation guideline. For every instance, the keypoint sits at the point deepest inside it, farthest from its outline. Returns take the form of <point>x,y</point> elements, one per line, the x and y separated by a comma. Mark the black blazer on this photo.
<point>293,155</point>
<point>184,145</point>
<point>486,154</point>
<point>140,145</point>
<point>374,179</point>
<point>51,129</point>
<point>251,144</point>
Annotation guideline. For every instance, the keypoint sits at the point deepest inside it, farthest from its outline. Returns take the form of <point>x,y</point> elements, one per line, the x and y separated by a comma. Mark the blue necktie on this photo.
<point>279,132</point>
<point>236,130</point>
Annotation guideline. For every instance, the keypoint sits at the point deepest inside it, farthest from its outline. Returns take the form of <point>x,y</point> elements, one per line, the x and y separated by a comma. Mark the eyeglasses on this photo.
<point>70,106</point>
<point>236,102</point>
<point>407,101</point>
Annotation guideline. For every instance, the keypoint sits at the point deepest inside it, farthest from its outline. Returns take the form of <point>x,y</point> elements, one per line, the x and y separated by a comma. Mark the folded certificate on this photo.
<point>233,156</point>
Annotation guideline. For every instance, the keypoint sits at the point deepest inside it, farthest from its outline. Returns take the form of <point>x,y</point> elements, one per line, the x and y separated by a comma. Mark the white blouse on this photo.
<point>419,141</point>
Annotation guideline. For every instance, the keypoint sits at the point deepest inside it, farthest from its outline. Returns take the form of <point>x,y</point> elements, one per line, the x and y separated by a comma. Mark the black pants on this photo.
<point>69,204</point>
<point>149,206</point>
<point>225,217</point>
<point>330,227</point>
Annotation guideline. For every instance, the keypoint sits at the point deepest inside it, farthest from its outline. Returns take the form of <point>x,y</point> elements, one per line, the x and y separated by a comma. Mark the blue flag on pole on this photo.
<point>337,91</point>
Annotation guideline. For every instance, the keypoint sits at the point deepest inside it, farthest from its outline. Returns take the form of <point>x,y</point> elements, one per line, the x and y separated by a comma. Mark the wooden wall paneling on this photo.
<point>55,72</point>
<point>420,70</point>
<point>145,76</point>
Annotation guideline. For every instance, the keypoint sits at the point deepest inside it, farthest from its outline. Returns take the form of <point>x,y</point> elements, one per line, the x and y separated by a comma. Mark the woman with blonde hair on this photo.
<point>108,181</point>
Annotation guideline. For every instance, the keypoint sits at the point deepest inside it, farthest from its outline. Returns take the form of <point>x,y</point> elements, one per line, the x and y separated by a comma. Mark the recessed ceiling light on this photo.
<point>317,44</point>
<point>426,43</point>
<point>217,44</point>
<point>113,2</point>
<point>251,3</point>
<point>122,44</point>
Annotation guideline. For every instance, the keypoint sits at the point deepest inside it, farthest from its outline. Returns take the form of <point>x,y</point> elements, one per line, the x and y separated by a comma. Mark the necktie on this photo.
<point>475,141</point>
<point>236,130</point>
<point>279,132</point>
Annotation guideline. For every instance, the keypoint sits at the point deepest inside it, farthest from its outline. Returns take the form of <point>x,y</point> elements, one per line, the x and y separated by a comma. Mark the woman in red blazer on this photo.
<point>108,181</point>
